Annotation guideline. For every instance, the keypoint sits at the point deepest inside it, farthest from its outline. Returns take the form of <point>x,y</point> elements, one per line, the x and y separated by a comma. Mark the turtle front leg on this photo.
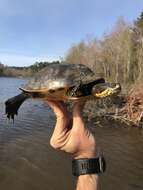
<point>75,91</point>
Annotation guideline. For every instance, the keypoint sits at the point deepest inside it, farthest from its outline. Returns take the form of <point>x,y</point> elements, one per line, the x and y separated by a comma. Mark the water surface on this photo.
<point>28,162</point>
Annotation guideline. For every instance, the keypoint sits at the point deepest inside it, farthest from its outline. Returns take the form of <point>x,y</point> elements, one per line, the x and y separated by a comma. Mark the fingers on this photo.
<point>64,118</point>
<point>62,115</point>
<point>62,124</point>
<point>59,108</point>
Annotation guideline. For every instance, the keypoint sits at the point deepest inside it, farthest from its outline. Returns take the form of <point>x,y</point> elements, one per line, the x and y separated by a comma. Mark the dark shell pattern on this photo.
<point>57,76</point>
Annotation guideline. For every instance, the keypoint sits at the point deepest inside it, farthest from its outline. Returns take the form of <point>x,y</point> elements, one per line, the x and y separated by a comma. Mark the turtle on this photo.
<point>62,82</point>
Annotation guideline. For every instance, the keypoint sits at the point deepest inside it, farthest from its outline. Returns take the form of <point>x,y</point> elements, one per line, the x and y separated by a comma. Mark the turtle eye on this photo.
<point>60,89</point>
<point>51,91</point>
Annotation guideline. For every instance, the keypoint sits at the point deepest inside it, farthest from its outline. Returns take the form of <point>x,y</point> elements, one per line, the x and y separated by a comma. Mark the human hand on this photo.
<point>70,133</point>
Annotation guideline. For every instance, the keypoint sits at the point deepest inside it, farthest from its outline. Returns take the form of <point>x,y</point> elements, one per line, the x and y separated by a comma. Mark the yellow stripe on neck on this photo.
<point>105,93</point>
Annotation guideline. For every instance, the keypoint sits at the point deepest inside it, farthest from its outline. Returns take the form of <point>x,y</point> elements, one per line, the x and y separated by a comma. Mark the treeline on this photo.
<point>23,71</point>
<point>118,56</point>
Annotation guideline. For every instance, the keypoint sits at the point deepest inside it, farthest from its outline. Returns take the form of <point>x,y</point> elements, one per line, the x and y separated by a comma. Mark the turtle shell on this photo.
<point>56,76</point>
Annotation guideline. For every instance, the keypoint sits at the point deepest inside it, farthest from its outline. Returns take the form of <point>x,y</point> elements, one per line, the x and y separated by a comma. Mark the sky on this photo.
<point>44,30</point>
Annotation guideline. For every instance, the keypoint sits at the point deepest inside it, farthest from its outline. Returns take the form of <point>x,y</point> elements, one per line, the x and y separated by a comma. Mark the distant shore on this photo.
<point>23,72</point>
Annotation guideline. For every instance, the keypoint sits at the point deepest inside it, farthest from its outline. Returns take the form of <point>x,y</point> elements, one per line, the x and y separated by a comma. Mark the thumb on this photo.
<point>78,108</point>
<point>78,122</point>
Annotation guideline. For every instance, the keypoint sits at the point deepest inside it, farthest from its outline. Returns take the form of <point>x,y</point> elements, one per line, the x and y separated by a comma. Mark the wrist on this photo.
<point>86,182</point>
<point>87,177</point>
<point>85,154</point>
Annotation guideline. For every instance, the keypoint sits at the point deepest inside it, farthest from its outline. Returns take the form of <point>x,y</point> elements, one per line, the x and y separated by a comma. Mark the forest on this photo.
<point>29,71</point>
<point>117,56</point>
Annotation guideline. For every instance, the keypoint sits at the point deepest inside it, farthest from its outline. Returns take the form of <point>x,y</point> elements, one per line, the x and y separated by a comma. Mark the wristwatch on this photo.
<point>88,166</point>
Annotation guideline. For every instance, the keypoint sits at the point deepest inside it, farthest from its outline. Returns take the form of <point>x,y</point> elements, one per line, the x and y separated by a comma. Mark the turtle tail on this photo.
<point>13,104</point>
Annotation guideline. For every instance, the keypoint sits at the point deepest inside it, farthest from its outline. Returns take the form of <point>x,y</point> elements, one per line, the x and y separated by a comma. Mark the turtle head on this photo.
<point>106,89</point>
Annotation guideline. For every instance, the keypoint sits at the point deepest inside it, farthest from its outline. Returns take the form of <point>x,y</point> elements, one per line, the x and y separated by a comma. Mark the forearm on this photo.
<point>88,182</point>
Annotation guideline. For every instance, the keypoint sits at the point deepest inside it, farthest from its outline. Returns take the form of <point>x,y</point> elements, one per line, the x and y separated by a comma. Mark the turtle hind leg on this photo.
<point>13,104</point>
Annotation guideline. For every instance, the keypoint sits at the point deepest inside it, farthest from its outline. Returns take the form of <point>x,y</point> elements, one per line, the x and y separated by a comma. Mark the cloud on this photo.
<point>22,60</point>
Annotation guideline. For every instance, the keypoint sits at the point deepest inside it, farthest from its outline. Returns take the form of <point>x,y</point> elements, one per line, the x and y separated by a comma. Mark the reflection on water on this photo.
<point>28,162</point>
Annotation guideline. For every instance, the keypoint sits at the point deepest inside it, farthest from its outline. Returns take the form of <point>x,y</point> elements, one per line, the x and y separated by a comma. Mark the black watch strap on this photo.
<point>88,166</point>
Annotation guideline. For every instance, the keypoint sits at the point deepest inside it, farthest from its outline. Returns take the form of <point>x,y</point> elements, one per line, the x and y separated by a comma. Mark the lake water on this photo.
<point>27,162</point>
